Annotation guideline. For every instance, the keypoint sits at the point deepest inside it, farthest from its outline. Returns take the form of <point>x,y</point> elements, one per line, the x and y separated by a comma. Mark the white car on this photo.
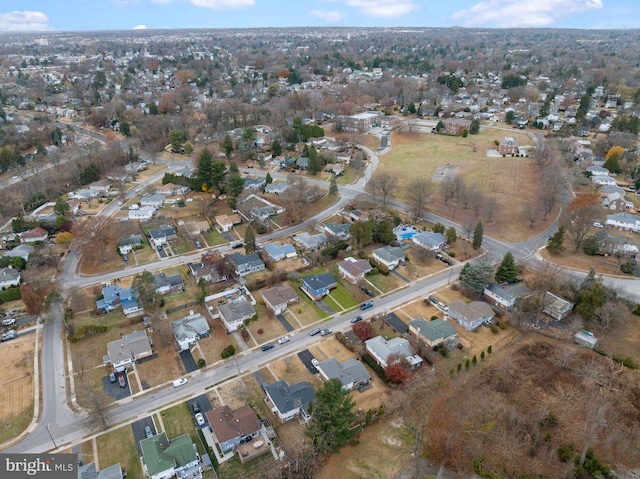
<point>200,419</point>
<point>179,382</point>
<point>9,322</point>
<point>597,224</point>
<point>283,339</point>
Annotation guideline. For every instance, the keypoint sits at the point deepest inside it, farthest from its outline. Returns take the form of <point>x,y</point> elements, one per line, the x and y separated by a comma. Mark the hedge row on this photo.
<point>366,357</point>
<point>11,294</point>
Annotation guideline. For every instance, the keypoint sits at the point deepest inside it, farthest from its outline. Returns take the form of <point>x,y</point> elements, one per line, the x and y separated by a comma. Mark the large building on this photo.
<point>361,122</point>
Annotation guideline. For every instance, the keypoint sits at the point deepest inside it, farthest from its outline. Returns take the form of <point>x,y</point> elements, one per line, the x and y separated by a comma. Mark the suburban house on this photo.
<point>317,286</point>
<point>21,251</point>
<point>254,183</point>
<point>338,231</point>
<point>603,180</point>
<point>226,222</point>
<point>262,213</point>
<point>171,189</point>
<point>35,235</point>
<point>194,228</point>
<point>456,126</point>
<point>354,270</point>
<point>168,284</point>
<point>508,146</point>
<point>129,242</point>
<point>208,272</point>
<point>597,170</point>
<point>471,315</point>
<point>352,373</point>
<point>279,252</point>
<point>9,277</point>
<point>246,264</point>
<point>276,188</point>
<point>624,221</point>
<point>190,329</point>
<point>615,202</point>
<point>125,351</point>
<point>430,241</point>
<point>380,349</point>
<point>235,312</point>
<point>504,296</point>
<point>389,256</point>
<point>231,428</point>
<point>155,200</point>
<point>162,235</point>
<point>164,459</point>
<point>114,296</point>
<point>88,471</point>
<point>432,333</point>
<point>556,307</point>
<point>608,244</point>
<point>279,297</point>
<point>302,163</point>
<point>142,214</point>
<point>101,187</point>
<point>311,242</point>
<point>335,168</point>
<point>288,402</point>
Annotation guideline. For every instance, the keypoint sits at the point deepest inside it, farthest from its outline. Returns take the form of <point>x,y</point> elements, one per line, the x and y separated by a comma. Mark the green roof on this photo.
<point>433,330</point>
<point>160,454</point>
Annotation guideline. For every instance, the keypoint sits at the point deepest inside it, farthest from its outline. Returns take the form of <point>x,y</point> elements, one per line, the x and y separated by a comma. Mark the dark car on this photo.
<point>433,299</point>
<point>314,331</point>
<point>268,346</point>
<point>122,380</point>
<point>238,245</point>
<point>195,407</point>
<point>356,319</point>
<point>112,378</point>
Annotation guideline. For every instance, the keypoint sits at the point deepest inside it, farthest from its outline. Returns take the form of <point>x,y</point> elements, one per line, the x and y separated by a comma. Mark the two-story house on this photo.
<point>127,244</point>
<point>290,401</point>
<point>162,235</point>
<point>190,329</point>
<point>9,277</point>
<point>227,222</point>
<point>234,313</point>
<point>246,264</point>
<point>164,459</point>
<point>556,307</point>
<point>229,428</point>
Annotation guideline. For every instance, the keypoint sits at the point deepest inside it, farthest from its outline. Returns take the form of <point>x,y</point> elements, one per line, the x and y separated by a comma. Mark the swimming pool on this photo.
<point>408,235</point>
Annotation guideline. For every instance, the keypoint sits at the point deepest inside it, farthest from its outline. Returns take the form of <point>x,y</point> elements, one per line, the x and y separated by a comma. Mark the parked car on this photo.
<point>283,339</point>
<point>9,322</point>
<point>315,362</point>
<point>356,319</point>
<point>237,245</point>
<point>112,378</point>
<point>314,331</point>
<point>433,299</point>
<point>366,305</point>
<point>198,244</point>
<point>597,224</point>
<point>148,432</point>
<point>179,382</point>
<point>8,335</point>
<point>122,380</point>
<point>200,419</point>
<point>195,407</point>
<point>268,346</point>
<point>325,332</point>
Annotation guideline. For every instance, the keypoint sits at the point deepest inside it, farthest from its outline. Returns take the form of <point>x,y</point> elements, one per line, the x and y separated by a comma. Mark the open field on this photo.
<point>118,446</point>
<point>16,386</point>
<point>501,178</point>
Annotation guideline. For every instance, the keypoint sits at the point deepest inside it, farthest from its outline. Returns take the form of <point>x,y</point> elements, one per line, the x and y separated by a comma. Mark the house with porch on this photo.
<point>123,352</point>
<point>164,459</point>
<point>470,315</point>
<point>381,349</point>
<point>231,428</point>
<point>556,307</point>
<point>351,373</point>
<point>317,286</point>
<point>624,221</point>
<point>429,240</point>
<point>279,297</point>
<point>234,313</point>
<point>389,256</point>
<point>432,333</point>
<point>190,329</point>
<point>290,401</point>
<point>354,270</point>
<point>246,264</point>
<point>162,235</point>
<point>35,235</point>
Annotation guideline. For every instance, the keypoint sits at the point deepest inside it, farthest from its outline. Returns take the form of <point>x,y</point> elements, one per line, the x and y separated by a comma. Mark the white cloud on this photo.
<point>140,27</point>
<point>327,15</point>
<point>215,4</point>
<point>383,8</point>
<point>519,13</point>
<point>23,22</point>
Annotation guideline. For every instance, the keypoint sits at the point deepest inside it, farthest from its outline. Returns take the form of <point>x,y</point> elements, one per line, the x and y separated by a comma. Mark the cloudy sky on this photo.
<point>60,15</point>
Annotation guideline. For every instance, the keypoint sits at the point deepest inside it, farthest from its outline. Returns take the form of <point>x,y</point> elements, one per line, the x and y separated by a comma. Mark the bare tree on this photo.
<point>492,207</point>
<point>95,237</point>
<point>552,185</point>
<point>530,214</point>
<point>579,216</point>
<point>97,405</point>
<point>418,195</point>
<point>382,186</point>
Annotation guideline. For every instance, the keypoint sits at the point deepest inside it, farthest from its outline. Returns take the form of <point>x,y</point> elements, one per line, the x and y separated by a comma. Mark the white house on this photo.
<point>288,402</point>
<point>235,312</point>
<point>279,297</point>
<point>390,256</point>
<point>603,180</point>
<point>471,315</point>
<point>352,373</point>
<point>430,241</point>
<point>624,221</point>
<point>190,329</point>
<point>381,349</point>
<point>156,200</point>
<point>123,352</point>
<point>596,170</point>
<point>142,214</point>
<point>354,270</point>
<point>9,277</point>
<point>164,459</point>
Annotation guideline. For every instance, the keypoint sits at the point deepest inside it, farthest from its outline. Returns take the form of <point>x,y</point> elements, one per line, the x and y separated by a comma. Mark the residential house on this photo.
<point>227,222</point>
<point>336,168</point>
<point>162,235</point>
<point>624,221</point>
<point>471,315</point>
<point>432,333</point>
<point>208,272</point>
<point>235,312</point>
<point>508,146</point>
<point>88,471</point>
<point>430,241</point>
<point>125,351</point>
<point>302,163</point>
<point>155,200</point>
<point>311,242</point>
<point>262,213</point>
<point>389,256</point>
<point>276,188</point>
<point>231,428</point>
<point>168,284</point>
<point>129,243</point>
<point>254,183</point>
<point>615,202</point>
<point>388,121</point>
<point>556,307</point>
<point>288,402</point>
<point>9,277</point>
<point>608,244</point>
<point>354,270</point>
<point>603,180</point>
<point>351,373</point>
<point>101,188</point>
<point>21,251</point>
<point>246,264</point>
<point>171,189</point>
<point>279,252</point>
<point>164,459</point>
<point>114,296</point>
<point>317,286</point>
<point>504,296</point>
<point>597,170</point>
<point>340,232</point>
<point>279,297</point>
<point>381,349</point>
<point>456,126</point>
<point>194,228</point>
<point>190,329</point>
<point>35,235</point>
<point>142,214</point>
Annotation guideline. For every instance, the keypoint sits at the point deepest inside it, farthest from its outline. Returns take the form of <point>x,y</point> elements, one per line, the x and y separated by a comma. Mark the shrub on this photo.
<point>636,311</point>
<point>201,363</point>
<point>11,294</point>
<point>261,229</point>
<point>489,349</point>
<point>628,361</point>
<point>565,452</point>
<point>433,317</point>
<point>245,334</point>
<point>260,331</point>
<point>494,329</point>
<point>452,254</point>
<point>502,324</point>
<point>227,352</point>
<point>444,352</point>
<point>474,360</point>
<point>375,366</point>
<point>467,364</point>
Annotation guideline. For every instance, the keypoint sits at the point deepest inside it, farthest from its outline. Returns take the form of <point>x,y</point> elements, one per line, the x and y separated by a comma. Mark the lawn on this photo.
<point>213,238</point>
<point>342,297</point>
<point>258,467</point>
<point>385,283</point>
<point>119,446</point>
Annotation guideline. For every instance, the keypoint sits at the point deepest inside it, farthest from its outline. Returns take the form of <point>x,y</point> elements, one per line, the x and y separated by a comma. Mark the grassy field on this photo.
<point>119,446</point>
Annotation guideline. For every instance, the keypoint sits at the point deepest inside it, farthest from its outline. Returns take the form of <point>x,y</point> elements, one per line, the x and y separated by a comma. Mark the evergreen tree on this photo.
<point>438,228</point>
<point>452,235</point>
<point>556,243</point>
<point>478,233</point>
<point>268,179</point>
<point>507,271</point>
<point>333,187</point>
<point>475,277</point>
<point>250,241</point>
<point>234,188</point>
<point>332,415</point>
<point>227,145</point>
<point>205,170</point>
<point>176,137</point>
<point>217,175</point>
<point>61,207</point>
<point>276,148</point>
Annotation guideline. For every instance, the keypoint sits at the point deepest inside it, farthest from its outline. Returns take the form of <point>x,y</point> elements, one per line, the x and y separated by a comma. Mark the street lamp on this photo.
<point>54,442</point>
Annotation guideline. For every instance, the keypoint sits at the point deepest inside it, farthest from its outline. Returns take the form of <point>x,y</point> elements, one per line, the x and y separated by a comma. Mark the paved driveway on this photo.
<point>188,361</point>
<point>285,323</point>
<point>324,306</point>
<point>306,357</point>
<point>138,430</point>
<point>114,390</point>
<point>396,323</point>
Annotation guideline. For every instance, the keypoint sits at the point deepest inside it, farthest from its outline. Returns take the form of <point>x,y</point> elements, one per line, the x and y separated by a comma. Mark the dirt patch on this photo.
<point>581,261</point>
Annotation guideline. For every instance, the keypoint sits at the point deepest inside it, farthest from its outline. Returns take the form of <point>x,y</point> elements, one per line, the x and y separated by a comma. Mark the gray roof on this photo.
<point>500,291</point>
<point>190,326</point>
<point>128,347</point>
<point>319,281</point>
<point>286,398</point>
<point>162,280</point>
<point>277,252</point>
<point>9,274</point>
<point>390,253</point>
<point>351,371</point>
<point>131,240</point>
<point>276,188</point>
<point>239,309</point>
<point>429,239</point>
<point>311,241</point>
<point>19,251</point>
<point>279,294</point>
<point>472,311</point>
<point>154,198</point>
<point>384,348</point>
<point>163,231</point>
